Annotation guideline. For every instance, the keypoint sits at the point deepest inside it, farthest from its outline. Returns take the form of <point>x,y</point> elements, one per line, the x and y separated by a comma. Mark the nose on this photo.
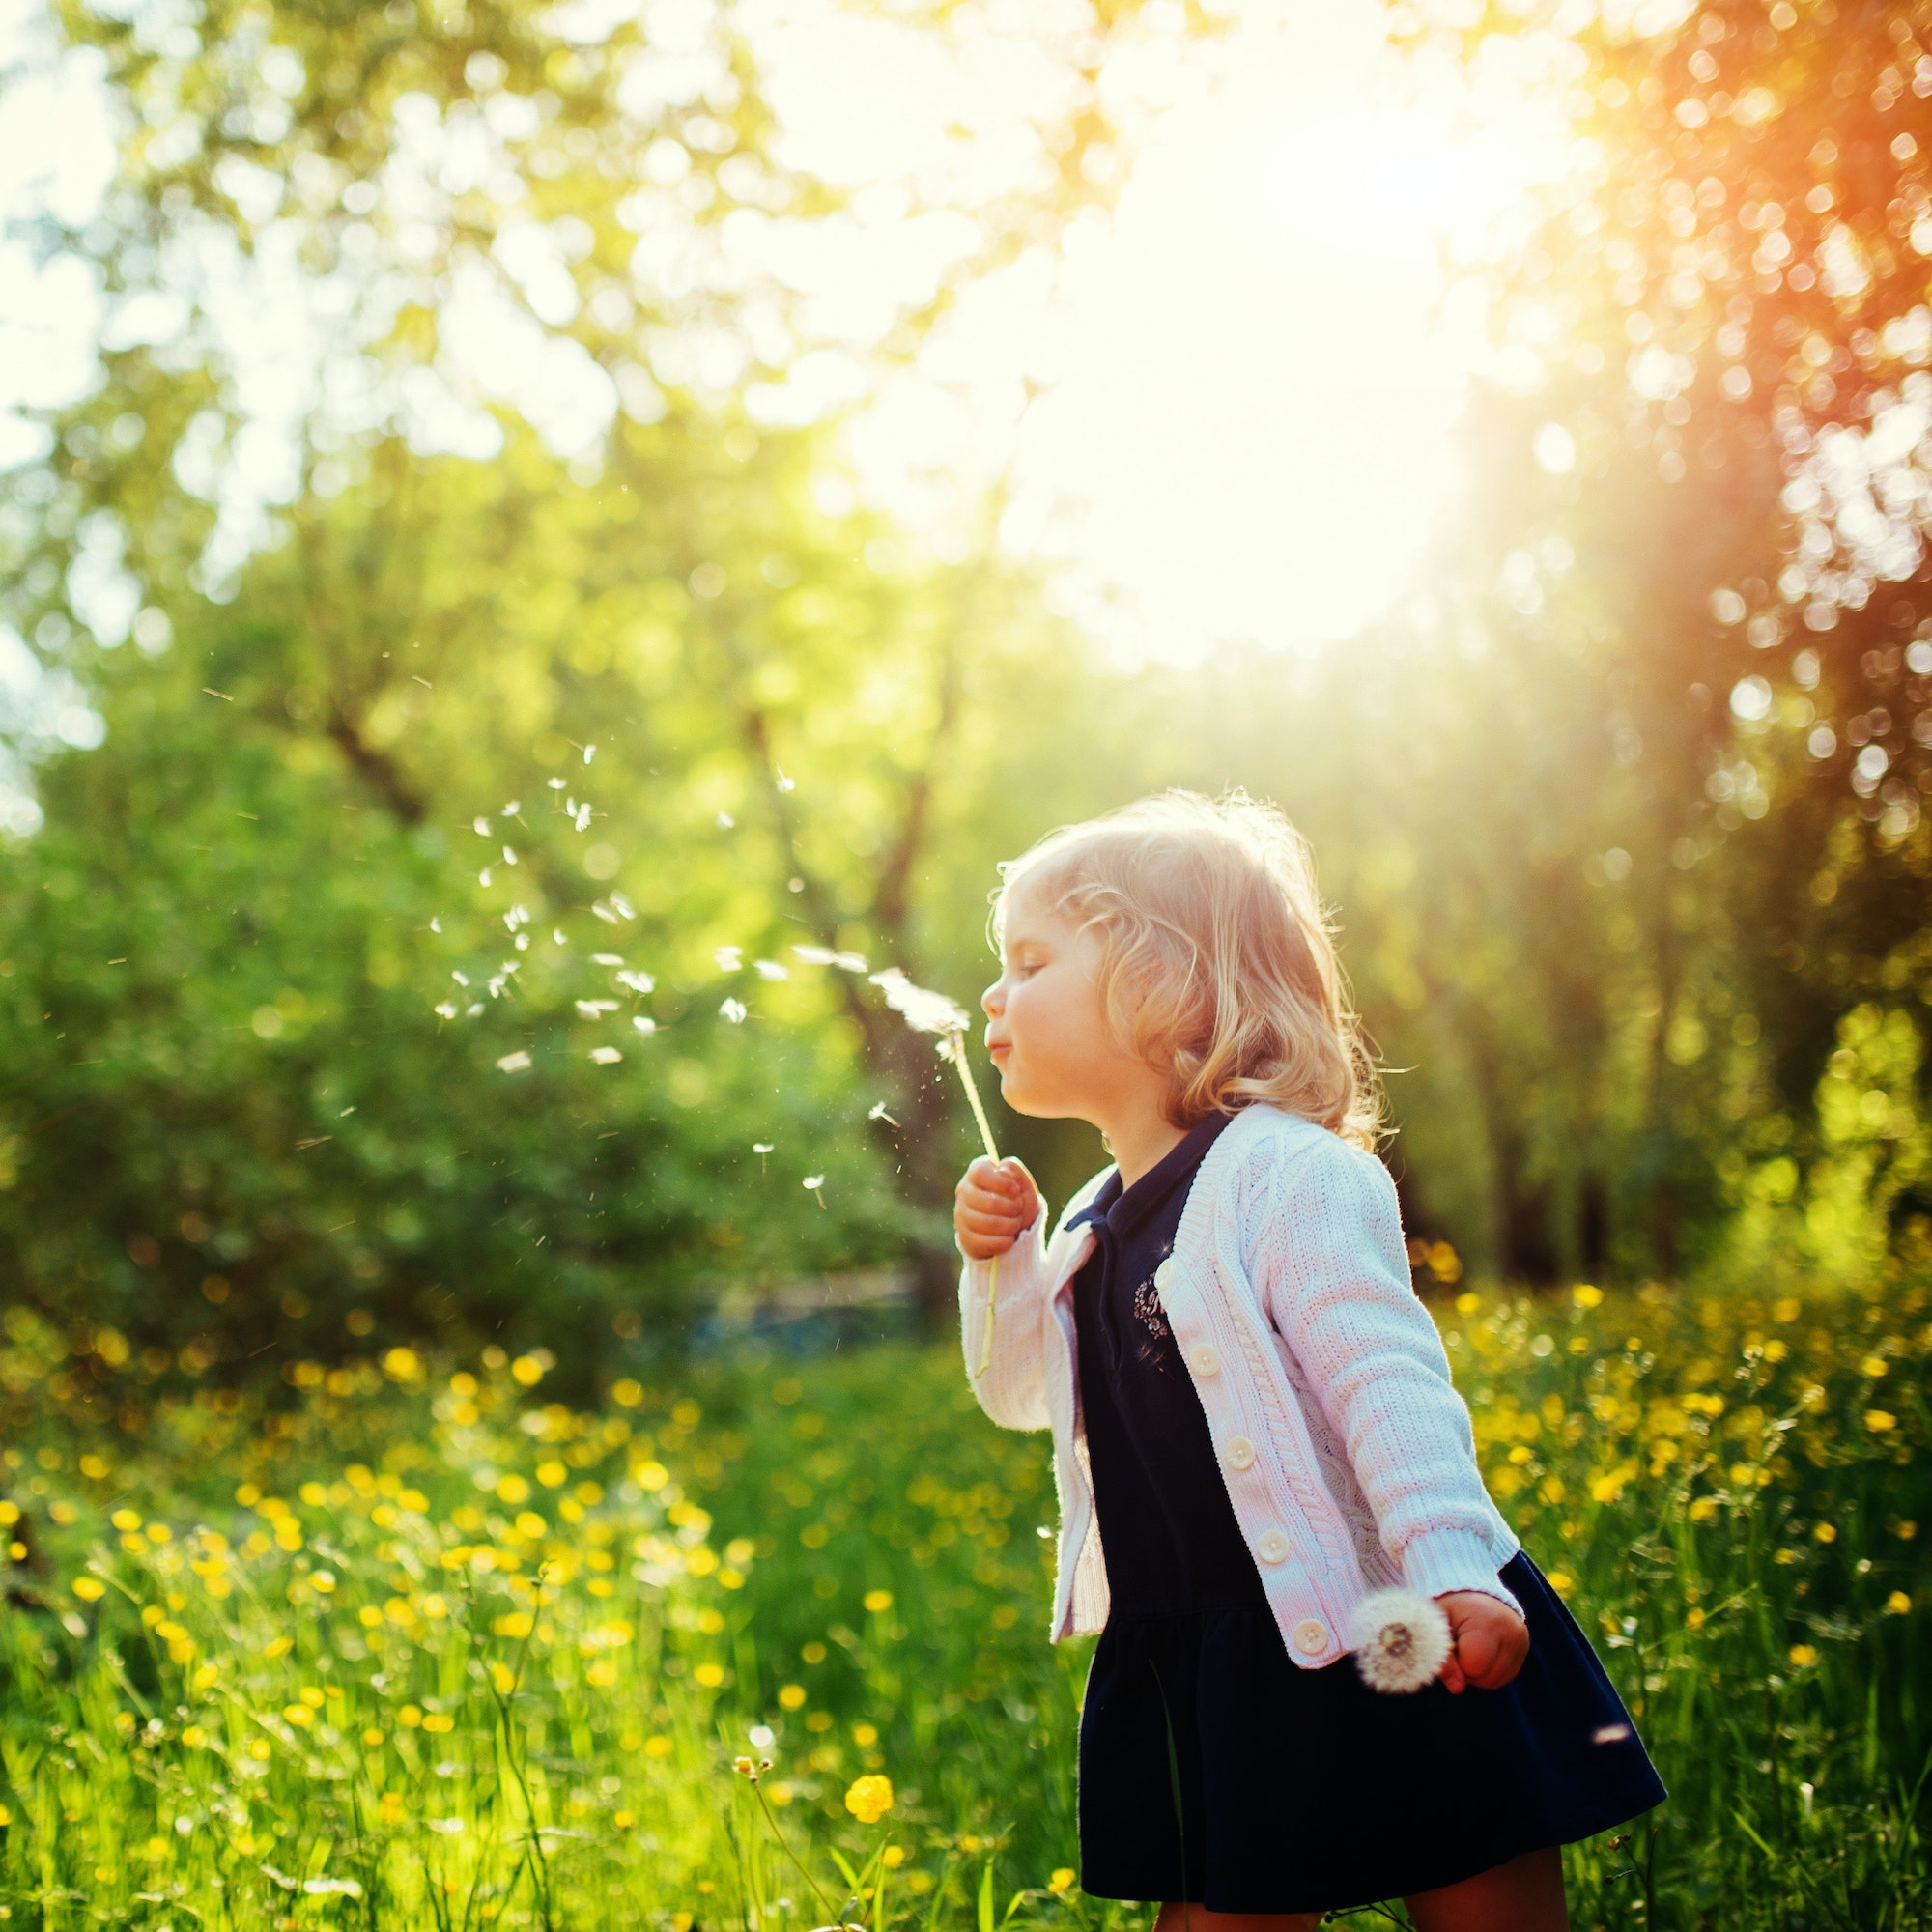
<point>993,1000</point>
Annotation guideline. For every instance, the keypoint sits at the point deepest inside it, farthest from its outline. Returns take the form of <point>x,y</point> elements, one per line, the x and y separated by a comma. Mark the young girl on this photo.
<point>1252,1420</point>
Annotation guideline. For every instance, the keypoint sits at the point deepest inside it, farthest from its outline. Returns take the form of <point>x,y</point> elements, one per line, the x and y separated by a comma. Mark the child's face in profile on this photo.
<point>1046,1030</point>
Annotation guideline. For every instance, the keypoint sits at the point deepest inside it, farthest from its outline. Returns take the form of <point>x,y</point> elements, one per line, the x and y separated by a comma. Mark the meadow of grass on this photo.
<point>414,1645</point>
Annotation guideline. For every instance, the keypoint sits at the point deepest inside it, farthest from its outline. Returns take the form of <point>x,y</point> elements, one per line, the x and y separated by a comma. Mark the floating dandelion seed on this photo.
<point>734,1011</point>
<point>514,1062</point>
<point>509,856</point>
<point>511,810</point>
<point>1610,1734</point>
<point>557,937</point>
<point>483,877</point>
<point>471,1012</point>
<point>729,958</point>
<point>589,753</point>
<point>606,1056</point>
<point>785,783</point>
<point>607,959</point>
<point>639,982</point>
<point>878,1113</point>
<point>591,1008</point>
<point>814,1183</point>
<point>769,969</point>
<point>461,979</point>
<point>523,942</point>
<point>643,1023</point>
<point>435,924</point>
<point>1401,1639</point>
<point>481,826</point>
<point>555,784</point>
<point>517,916</point>
<point>761,1149</point>
<point>725,822</point>
<point>448,1009</point>
<point>824,955</point>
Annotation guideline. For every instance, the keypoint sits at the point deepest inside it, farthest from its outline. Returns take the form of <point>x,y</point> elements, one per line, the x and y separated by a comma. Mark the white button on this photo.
<point>1311,1634</point>
<point>1239,1452</point>
<point>1204,1359</point>
<point>1272,1546</point>
<point>1164,1273</point>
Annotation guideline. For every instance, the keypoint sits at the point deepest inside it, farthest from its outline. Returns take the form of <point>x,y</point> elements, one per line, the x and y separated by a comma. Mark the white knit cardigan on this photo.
<point>1348,1453</point>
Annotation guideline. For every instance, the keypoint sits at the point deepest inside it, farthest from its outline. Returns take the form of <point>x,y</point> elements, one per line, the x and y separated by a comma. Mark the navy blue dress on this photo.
<point>1298,1790</point>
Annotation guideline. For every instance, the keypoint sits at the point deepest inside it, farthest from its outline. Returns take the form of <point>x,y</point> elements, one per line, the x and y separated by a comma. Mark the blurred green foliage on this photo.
<point>1649,966</point>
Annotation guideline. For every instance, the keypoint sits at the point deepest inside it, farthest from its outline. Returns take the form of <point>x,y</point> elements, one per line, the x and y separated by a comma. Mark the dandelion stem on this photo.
<point>957,1041</point>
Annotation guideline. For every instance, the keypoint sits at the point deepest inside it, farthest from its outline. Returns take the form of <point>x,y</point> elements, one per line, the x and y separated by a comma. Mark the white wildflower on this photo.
<point>1401,1639</point>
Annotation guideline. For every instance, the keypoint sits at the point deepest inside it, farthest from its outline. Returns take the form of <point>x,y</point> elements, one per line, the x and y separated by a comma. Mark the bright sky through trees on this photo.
<point>1222,412</point>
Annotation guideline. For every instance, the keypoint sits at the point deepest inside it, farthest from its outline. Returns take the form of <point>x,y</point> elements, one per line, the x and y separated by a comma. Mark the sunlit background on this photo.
<point>1219,410</point>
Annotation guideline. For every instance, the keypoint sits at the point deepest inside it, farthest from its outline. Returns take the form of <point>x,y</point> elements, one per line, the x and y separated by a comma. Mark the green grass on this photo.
<point>425,1650</point>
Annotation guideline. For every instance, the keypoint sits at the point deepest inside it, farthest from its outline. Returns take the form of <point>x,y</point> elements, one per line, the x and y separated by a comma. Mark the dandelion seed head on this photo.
<point>922,1009</point>
<point>1401,1639</point>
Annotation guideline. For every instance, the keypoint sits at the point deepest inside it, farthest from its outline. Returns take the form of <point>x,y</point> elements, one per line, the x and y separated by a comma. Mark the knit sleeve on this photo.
<point>1326,1245</point>
<point>1005,1362</point>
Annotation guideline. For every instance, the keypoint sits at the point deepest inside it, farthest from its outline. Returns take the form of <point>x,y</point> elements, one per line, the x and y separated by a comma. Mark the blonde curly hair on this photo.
<point>1218,962</point>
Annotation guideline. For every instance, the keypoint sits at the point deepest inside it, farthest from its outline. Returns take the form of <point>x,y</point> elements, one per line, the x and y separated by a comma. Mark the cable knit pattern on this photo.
<point>1348,1454</point>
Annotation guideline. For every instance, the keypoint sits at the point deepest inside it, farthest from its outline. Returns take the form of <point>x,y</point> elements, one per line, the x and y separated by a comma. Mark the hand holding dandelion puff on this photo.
<point>927,1011</point>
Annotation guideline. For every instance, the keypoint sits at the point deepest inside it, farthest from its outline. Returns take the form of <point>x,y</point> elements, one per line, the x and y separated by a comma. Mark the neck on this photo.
<point>1139,1138</point>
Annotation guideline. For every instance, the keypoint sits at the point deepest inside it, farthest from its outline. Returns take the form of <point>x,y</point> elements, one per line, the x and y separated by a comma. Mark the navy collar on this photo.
<point>1124,1212</point>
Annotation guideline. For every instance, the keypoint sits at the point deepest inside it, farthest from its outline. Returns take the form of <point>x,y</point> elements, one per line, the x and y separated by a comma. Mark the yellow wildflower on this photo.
<point>869,1799</point>
<point>88,1589</point>
<point>878,1600</point>
<point>791,1696</point>
<point>1061,1880</point>
<point>1803,1654</point>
